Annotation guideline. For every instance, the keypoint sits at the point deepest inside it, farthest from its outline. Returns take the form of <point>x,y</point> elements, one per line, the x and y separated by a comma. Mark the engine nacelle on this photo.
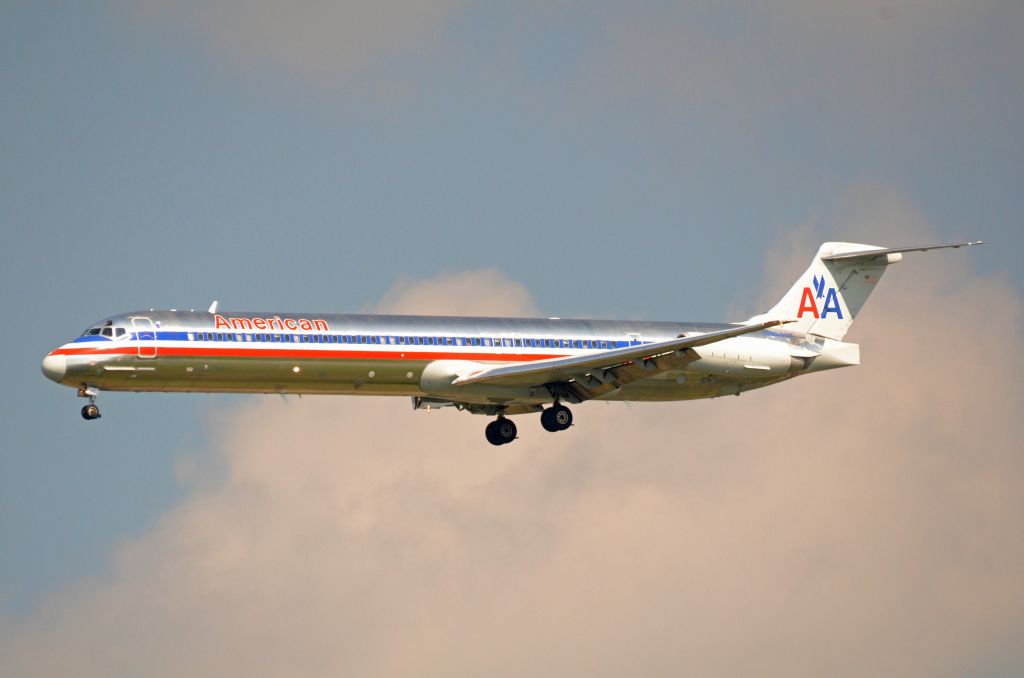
<point>743,356</point>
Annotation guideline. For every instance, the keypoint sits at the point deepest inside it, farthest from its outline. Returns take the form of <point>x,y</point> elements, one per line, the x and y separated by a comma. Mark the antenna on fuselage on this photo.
<point>213,307</point>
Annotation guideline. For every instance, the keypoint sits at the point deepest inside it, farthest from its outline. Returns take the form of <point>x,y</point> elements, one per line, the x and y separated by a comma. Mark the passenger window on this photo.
<point>519,343</point>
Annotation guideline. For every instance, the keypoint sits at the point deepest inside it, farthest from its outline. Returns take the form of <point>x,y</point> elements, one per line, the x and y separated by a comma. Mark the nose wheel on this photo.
<point>90,411</point>
<point>556,418</point>
<point>501,431</point>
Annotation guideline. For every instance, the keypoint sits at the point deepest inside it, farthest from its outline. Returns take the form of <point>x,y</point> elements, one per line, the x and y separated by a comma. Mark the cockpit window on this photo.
<point>119,331</point>
<point>108,332</point>
<point>91,332</point>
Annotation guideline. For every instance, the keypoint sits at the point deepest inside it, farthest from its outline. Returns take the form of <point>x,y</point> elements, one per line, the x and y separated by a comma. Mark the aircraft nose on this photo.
<point>54,367</point>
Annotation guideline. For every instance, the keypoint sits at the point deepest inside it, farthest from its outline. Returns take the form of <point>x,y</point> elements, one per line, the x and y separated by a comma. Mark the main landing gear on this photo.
<point>90,411</point>
<point>502,430</point>
<point>556,418</point>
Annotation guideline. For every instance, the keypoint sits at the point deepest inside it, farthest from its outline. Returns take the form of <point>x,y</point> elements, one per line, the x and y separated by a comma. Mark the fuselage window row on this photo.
<point>411,340</point>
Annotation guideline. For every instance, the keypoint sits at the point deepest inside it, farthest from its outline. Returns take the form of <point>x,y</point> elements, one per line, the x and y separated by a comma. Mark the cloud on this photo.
<point>483,292</point>
<point>866,521</point>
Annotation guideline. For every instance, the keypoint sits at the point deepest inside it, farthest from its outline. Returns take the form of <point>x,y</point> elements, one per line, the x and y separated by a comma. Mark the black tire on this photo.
<point>506,429</point>
<point>561,417</point>
<point>491,433</point>
<point>90,412</point>
<point>547,420</point>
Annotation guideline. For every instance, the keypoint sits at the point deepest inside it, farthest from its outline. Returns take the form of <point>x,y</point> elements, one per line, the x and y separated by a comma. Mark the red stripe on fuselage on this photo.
<point>212,352</point>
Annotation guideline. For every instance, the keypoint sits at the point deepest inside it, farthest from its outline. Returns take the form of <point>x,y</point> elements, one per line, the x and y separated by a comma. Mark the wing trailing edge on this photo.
<point>604,367</point>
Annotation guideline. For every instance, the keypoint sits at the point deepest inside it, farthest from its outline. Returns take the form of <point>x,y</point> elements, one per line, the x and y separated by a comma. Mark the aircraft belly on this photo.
<point>251,375</point>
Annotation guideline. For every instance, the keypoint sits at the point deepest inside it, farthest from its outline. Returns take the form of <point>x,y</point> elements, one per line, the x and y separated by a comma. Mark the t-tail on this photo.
<point>829,295</point>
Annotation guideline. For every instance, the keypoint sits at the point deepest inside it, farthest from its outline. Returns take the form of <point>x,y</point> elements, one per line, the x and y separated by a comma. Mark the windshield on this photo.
<point>105,329</point>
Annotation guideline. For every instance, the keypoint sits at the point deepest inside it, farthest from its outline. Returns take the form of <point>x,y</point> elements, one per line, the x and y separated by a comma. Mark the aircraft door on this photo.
<point>145,333</point>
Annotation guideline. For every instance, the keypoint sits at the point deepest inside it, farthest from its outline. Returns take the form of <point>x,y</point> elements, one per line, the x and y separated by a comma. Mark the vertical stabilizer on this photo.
<point>827,297</point>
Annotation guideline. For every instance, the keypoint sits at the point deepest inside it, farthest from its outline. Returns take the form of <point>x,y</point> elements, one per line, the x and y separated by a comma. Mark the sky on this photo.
<point>652,161</point>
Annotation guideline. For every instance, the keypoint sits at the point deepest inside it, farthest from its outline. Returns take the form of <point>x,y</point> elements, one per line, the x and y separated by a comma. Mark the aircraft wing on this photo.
<point>588,376</point>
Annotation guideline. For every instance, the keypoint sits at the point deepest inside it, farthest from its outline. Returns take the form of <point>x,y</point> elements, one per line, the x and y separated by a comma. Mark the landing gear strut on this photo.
<point>90,411</point>
<point>500,431</point>
<point>556,418</point>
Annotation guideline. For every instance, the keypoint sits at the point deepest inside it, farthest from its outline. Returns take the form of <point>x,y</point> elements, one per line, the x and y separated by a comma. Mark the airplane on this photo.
<point>497,367</point>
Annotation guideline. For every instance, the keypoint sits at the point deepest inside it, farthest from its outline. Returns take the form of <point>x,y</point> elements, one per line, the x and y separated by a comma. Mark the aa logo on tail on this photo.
<point>808,303</point>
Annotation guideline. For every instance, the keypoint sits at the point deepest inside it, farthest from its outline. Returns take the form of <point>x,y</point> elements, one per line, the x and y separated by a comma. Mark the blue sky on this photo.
<point>616,161</point>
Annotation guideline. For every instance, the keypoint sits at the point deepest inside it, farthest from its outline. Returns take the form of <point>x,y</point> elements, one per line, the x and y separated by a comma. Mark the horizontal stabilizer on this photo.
<point>867,255</point>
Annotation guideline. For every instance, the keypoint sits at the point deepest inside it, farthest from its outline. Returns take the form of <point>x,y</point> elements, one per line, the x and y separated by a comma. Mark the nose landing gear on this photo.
<point>90,411</point>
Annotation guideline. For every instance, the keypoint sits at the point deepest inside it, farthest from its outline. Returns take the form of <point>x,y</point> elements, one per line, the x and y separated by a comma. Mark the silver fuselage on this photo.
<point>244,352</point>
